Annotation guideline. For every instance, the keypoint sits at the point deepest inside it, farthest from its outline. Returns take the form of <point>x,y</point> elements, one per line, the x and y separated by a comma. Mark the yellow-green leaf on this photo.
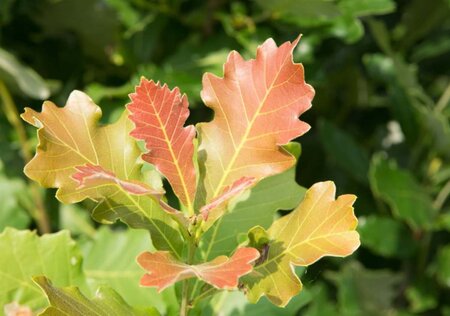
<point>320,226</point>
<point>70,137</point>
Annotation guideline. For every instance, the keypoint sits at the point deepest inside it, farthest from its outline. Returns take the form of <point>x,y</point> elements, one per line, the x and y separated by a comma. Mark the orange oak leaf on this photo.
<point>159,114</point>
<point>256,108</point>
<point>320,226</point>
<point>223,272</point>
<point>217,207</point>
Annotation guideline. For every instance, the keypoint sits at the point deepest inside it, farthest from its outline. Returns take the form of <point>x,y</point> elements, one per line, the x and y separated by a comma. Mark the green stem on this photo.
<point>204,295</point>
<point>443,101</point>
<point>184,309</point>
<point>10,109</point>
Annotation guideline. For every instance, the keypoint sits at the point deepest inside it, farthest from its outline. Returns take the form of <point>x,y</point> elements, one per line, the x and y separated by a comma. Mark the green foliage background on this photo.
<point>380,129</point>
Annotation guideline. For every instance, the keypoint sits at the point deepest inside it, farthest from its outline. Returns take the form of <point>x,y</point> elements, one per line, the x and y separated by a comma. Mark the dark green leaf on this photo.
<point>407,199</point>
<point>386,237</point>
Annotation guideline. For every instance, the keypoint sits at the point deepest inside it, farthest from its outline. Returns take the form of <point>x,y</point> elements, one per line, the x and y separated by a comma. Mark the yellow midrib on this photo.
<point>247,131</point>
<point>174,158</point>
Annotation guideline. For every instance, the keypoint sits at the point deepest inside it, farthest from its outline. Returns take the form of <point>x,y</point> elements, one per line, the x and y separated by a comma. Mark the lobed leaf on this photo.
<point>320,226</point>
<point>223,272</point>
<point>110,258</point>
<point>24,254</point>
<point>159,114</point>
<point>70,301</point>
<point>70,138</point>
<point>256,105</point>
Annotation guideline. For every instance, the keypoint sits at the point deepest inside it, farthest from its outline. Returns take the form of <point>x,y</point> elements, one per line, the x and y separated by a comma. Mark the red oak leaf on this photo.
<point>223,272</point>
<point>159,114</point>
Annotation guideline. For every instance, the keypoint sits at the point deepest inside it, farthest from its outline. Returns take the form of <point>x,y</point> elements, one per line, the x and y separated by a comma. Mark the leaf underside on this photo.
<point>222,272</point>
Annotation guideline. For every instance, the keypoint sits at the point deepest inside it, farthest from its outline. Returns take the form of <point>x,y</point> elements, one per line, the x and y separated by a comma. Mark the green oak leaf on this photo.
<point>70,301</point>
<point>24,254</point>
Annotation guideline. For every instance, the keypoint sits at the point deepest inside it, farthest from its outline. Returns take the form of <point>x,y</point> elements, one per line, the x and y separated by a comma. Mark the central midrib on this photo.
<point>172,154</point>
<point>247,131</point>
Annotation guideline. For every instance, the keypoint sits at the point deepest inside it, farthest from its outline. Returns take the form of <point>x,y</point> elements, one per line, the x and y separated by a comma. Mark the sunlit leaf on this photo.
<point>24,254</point>
<point>256,105</point>
<point>110,258</point>
<point>320,226</point>
<point>69,137</point>
<point>223,272</point>
<point>70,301</point>
<point>159,114</point>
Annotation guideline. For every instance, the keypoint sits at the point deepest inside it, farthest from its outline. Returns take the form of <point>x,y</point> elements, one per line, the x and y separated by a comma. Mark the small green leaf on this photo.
<point>407,199</point>
<point>70,301</point>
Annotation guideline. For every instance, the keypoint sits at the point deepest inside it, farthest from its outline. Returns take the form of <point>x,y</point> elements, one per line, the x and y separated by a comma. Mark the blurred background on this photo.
<point>380,125</point>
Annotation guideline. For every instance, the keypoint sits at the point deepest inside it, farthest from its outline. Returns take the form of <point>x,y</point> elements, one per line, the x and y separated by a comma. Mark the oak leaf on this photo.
<point>70,137</point>
<point>159,114</point>
<point>223,272</point>
<point>320,226</point>
<point>256,108</point>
